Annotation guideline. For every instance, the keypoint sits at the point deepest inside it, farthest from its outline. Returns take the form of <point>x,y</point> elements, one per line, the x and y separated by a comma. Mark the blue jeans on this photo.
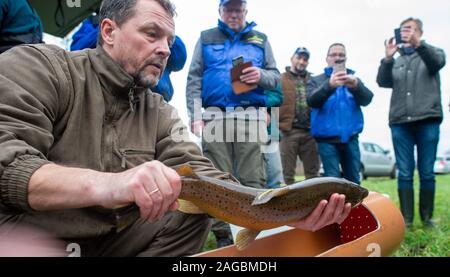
<point>345,154</point>
<point>274,169</point>
<point>424,135</point>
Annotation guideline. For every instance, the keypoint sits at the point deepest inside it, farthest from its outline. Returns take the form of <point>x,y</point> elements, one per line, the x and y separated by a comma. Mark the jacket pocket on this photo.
<point>131,157</point>
<point>214,54</point>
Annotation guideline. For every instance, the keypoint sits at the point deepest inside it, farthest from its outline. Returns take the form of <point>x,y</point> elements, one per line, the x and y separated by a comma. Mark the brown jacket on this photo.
<point>75,109</point>
<point>287,109</point>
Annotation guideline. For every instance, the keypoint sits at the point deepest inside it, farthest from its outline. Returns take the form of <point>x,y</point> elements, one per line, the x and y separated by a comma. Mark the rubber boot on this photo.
<point>426,206</point>
<point>406,197</point>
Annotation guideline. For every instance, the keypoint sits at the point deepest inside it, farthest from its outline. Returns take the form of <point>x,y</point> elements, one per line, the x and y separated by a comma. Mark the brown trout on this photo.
<point>258,209</point>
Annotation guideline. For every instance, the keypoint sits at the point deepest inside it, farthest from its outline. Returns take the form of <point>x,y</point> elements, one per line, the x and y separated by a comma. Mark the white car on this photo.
<point>375,162</point>
<point>442,165</point>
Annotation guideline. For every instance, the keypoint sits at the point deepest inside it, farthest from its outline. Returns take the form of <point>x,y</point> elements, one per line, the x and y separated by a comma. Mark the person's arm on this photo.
<point>384,76</point>
<point>270,76</point>
<point>434,58</point>
<point>194,86</point>
<point>195,77</point>
<point>363,96</point>
<point>31,101</point>
<point>318,93</point>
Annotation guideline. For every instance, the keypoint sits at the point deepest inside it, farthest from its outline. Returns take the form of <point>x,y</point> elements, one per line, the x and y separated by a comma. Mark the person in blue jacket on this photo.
<point>336,98</point>
<point>19,24</point>
<point>237,146</point>
<point>86,37</point>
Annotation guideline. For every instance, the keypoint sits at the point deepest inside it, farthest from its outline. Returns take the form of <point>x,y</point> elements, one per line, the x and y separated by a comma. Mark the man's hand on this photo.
<point>411,37</point>
<point>197,127</point>
<point>326,213</point>
<point>251,75</point>
<point>153,186</point>
<point>338,79</point>
<point>351,81</point>
<point>391,48</point>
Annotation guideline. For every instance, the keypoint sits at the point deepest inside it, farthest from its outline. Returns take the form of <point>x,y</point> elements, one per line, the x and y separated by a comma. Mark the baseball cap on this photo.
<point>224,2</point>
<point>302,51</point>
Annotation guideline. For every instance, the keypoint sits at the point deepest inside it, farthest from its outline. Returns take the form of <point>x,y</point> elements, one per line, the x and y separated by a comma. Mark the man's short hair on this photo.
<point>418,22</point>
<point>122,10</point>
<point>336,44</point>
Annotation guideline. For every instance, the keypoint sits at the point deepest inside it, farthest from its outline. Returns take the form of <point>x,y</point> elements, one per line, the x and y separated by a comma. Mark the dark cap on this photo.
<point>224,2</point>
<point>302,51</point>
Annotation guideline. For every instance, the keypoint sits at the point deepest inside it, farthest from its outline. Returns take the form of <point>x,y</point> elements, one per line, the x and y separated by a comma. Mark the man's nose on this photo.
<point>163,49</point>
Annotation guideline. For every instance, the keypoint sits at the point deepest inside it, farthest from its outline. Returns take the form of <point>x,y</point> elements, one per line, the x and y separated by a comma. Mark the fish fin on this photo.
<point>268,195</point>
<point>186,171</point>
<point>189,207</point>
<point>245,237</point>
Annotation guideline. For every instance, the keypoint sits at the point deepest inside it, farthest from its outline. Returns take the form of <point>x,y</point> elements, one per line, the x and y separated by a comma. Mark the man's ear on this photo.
<point>108,29</point>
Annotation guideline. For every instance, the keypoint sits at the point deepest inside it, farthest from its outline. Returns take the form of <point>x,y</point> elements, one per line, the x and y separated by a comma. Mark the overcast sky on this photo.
<point>362,25</point>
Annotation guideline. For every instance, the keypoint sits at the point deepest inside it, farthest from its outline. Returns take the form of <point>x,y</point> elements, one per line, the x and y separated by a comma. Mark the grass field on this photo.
<point>419,242</point>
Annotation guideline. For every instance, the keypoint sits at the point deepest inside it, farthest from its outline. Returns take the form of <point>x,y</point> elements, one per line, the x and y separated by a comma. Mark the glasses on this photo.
<point>337,55</point>
<point>236,11</point>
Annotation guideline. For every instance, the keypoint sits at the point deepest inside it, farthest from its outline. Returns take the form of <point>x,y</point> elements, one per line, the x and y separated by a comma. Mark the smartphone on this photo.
<point>237,61</point>
<point>398,36</point>
<point>339,66</point>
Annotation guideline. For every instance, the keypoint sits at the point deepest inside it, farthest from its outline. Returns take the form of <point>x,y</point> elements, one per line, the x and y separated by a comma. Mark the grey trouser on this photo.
<point>299,143</point>
<point>234,146</point>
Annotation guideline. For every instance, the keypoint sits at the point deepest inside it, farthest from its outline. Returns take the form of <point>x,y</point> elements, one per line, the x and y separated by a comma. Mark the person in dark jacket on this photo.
<point>86,37</point>
<point>295,122</point>
<point>19,24</point>
<point>336,98</point>
<point>415,113</point>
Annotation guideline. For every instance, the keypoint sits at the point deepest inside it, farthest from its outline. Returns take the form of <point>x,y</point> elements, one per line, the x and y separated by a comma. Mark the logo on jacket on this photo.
<point>255,40</point>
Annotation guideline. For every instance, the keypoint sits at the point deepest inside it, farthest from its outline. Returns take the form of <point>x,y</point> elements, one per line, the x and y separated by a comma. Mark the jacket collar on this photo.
<point>231,33</point>
<point>112,76</point>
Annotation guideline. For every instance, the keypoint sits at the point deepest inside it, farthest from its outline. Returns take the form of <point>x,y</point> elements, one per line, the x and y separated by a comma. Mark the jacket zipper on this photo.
<point>131,99</point>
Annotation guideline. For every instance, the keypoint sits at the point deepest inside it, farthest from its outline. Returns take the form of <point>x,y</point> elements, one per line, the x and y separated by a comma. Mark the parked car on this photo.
<point>375,162</point>
<point>442,165</point>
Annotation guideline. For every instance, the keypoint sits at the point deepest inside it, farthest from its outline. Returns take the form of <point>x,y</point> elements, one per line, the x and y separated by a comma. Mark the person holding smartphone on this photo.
<point>415,113</point>
<point>336,97</point>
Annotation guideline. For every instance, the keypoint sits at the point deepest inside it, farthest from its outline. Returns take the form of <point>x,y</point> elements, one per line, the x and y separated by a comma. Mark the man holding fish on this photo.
<point>81,140</point>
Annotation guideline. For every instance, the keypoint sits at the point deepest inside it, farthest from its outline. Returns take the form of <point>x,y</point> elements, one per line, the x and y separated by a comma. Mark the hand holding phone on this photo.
<point>239,66</point>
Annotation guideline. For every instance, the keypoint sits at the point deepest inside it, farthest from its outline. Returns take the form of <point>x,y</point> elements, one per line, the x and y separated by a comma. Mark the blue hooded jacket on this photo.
<point>220,46</point>
<point>86,37</point>
<point>340,116</point>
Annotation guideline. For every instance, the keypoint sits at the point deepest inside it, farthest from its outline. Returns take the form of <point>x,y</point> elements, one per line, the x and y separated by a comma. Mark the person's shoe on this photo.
<point>223,242</point>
